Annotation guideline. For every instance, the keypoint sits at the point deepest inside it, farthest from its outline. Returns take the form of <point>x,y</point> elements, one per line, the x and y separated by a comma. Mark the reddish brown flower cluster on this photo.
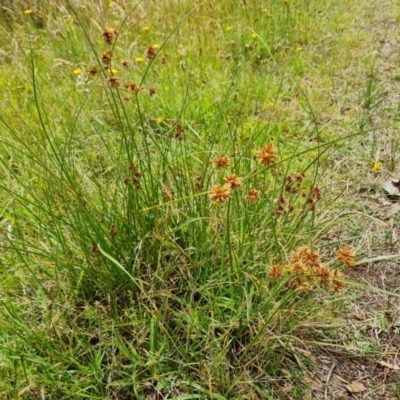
<point>219,194</point>
<point>252,195</point>
<point>94,71</point>
<point>151,52</point>
<point>233,181</point>
<point>152,92</point>
<point>198,183</point>
<point>113,81</point>
<point>305,271</point>
<point>283,206</point>
<point>305,255</point>
<point>113,230</point>
<point>163,61</point>
<point>293,183</point>
<point>293,187</point>
<point>346,256</point>
<point>125,64</point>
<point>315,195</point>
<point>106,59</point>
<point>133,87</point>
<point>337,285</point>
<point>95,250</point>
<point>267,155</point>
<point>276,271</point>
<point>134,176</point>
<point>168,194</point>
<point>178,132</point>
<point>108,35</point>
<point>221,162</point>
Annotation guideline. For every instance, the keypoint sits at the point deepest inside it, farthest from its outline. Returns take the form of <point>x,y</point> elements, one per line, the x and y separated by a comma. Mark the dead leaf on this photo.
<point>388,365</point>
<point>355,387</point>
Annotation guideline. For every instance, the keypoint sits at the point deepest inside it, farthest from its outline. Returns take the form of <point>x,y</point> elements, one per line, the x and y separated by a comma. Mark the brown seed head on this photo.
<point>221,162</point>
<point>132,87</point>
<point>322,273</point>
<point>152,92</point>
<point>233,181</point>
<point>219,194</point>
<point>267,154</point>
<point>252,195</point>
<point>304,287</point>
<point>346,256</point>
<point>298,268</point>
<point>337,285</point>
<point>113,231</point>
<point>151,52</point>
<point>106,59</point>
<point>306,255</point>
<point>125,63</point>
<point>94,71</point>
<point>113,81</point>
<point>108,35</point>
<point>168,194</point>
<point>95,250</point>
<point>275,272</point>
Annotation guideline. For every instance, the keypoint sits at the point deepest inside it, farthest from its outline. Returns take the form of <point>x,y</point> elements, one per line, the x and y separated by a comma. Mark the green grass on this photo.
<point>120,277</point>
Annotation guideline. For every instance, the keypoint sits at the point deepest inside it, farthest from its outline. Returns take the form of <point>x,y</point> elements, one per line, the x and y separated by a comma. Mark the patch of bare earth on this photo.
<point>374,316</point>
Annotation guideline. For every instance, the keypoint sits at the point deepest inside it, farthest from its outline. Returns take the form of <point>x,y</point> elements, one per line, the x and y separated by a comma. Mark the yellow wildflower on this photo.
<point>139,59</point>
<point>29,11</point>
<point>77,71</point>
<point>254,35</point>
<point>299,48</point>
<point>114,71</point>
<point>228,28</point>
<point>146,28</point>
<point>264,10</point>
<point>376,167</point>
<point>159,120</point>
<point>156,46</point>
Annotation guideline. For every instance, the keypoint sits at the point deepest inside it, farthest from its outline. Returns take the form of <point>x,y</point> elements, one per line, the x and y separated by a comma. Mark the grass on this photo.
<point>167,180</point>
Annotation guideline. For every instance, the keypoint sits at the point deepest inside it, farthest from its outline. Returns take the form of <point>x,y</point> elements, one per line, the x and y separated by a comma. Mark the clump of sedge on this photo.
<point>305,272</point>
